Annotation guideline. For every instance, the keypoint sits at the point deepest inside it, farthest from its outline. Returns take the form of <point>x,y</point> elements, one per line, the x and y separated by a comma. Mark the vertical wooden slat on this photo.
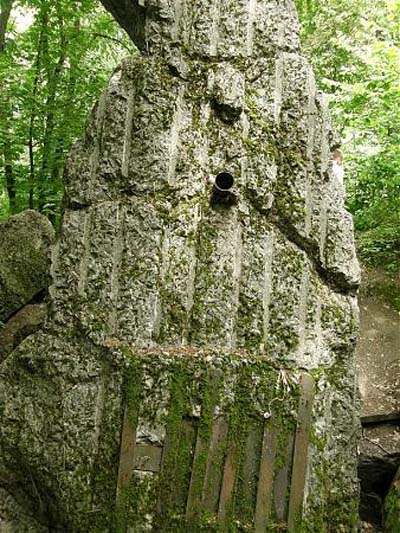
<point>184,464</point>
<point>205,435</point>
<point>176,465</point>
<point>193,506</point>
<point>167,461</point>
<point>281,482</point>
<point>127,454</point>
<point>228,483</point>
<point>300,458</point>
<point>250,471</point>
<point>265,482</point>
<point>213,476</point>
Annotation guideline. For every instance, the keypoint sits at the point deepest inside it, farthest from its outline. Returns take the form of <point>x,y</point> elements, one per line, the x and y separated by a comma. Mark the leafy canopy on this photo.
<point>355,50</point>
<point>56,60</point>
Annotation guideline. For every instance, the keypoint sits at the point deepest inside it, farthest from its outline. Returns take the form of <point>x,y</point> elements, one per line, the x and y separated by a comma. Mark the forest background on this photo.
<point>56,57</point>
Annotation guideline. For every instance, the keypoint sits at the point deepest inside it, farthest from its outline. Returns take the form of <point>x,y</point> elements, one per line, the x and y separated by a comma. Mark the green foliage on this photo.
<point>392,508</point>
<point>51,72</point>
<point>355,50</point>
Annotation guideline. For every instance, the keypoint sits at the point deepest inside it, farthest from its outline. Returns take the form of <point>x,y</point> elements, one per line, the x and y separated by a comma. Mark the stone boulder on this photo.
<point>25,248</point>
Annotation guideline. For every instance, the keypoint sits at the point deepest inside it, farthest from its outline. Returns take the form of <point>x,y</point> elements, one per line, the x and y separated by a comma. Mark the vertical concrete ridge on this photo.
<point>191,279</point>
<point>117,252</point>
<point>126,151</point>
<point>237,270</point>
<point>98,414</point>
<point>94,158</point>
<point>318,324</point>
<point>214,30</point>
<point>84,262</point>
<point>158,311</point>
<point>178,11</point>
<point>302,316</point>
<point>309,202</point>
<point>175,131</point>
<point>278,86</point>
<point>268,281</point>
<point>311,118</point>
<point>251,15</point>
<point>323,232</point>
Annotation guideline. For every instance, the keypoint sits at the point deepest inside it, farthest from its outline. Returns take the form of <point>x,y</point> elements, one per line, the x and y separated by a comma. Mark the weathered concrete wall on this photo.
<point>144,260</point>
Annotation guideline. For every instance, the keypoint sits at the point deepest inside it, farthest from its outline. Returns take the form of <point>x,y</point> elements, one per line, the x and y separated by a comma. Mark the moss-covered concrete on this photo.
<point>25,246</point>
<point>147,264</point>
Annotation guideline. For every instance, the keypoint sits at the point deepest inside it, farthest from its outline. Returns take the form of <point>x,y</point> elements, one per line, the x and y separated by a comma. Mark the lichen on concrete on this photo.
<point>145,262</point>
<point>25,247</point>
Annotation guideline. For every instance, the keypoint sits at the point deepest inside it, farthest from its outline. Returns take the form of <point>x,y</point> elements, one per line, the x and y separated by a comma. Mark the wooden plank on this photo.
<point>300,458</point>
<point>203,445</point>
<point>184,464</point>
<point>228,483</point>
<point>127,453</point>
<point>213,475</point>
<point>148,457</point>
<point>193,505</point>
<point>266,477</point>
<point>176,465</point>
<point>281,482</point>
<point>168,461</point>
<point>246,493</point>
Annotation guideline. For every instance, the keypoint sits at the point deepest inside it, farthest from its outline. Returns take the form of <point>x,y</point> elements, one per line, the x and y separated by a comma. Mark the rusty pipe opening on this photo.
<point>223,189</point>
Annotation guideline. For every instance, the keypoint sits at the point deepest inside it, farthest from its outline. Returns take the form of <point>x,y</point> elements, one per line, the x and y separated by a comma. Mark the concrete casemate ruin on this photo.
<point>196,370</point>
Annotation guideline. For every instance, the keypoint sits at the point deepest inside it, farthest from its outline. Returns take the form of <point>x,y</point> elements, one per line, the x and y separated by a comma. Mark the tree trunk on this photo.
<point>37,67</point>
<point>46,187</point>
<point>6,6</point>
<point>10,177</point>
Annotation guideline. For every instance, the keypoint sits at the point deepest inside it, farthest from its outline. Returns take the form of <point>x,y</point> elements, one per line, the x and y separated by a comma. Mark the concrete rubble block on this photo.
<point>25,247</point>
<point>154,259</point>
<point>28,320</point>
<point>56,421</point>
<point>227,87</point>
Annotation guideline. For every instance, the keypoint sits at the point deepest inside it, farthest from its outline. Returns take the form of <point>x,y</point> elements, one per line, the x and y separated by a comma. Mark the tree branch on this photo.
<point>104,36</point>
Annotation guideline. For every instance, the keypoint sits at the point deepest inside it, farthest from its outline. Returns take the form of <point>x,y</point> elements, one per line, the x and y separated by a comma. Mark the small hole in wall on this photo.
<point>224,181</point>
<point>223,193</point>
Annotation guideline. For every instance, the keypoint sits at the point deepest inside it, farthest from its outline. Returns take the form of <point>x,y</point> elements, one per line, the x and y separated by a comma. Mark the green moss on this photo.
<point>133,389</point>
<point>392,509</point>
<point>243,391</point>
